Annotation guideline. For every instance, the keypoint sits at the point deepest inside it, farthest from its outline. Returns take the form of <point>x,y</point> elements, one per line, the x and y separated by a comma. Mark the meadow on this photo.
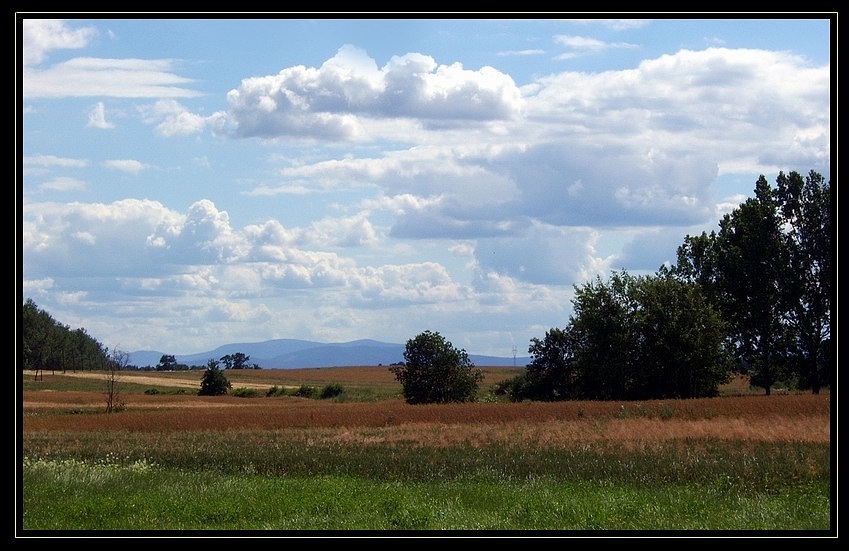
<point>275,459</point>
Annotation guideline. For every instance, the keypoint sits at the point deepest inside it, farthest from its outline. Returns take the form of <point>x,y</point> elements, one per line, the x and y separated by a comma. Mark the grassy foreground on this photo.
<point>283,465</point>
<point>86,496</point>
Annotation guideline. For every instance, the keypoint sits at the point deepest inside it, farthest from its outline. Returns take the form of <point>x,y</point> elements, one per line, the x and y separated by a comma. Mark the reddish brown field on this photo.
<point>743,417</point>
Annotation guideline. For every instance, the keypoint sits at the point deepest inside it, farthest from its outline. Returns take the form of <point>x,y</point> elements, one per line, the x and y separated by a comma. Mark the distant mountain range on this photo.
<point>294,353</point>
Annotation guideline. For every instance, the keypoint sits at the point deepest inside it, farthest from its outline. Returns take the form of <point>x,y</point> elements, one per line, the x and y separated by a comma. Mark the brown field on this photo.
<point>264,378</point>
<point>736,416</point>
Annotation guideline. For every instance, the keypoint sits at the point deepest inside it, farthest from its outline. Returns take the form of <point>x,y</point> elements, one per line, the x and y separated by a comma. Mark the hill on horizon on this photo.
<point>295,353</point>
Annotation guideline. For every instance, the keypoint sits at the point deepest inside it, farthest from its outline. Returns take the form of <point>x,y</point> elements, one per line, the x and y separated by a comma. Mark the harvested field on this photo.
<point>264,378</point>
<point>795,417</point>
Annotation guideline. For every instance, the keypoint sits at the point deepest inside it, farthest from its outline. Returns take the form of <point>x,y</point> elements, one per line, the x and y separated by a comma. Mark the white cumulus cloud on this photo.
<point>326,102</point>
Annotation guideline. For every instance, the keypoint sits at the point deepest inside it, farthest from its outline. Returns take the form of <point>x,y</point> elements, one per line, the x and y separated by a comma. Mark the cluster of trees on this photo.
<point>168,362</point>
<point>47,345</point>
<point>631,338</point>
<point>238,360</point>
<point>753,297</point>
<point>214,382</point>
<point>768,273</point>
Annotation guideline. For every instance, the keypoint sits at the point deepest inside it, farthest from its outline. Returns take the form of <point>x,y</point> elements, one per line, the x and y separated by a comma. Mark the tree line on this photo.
<point>46,344</point>
<point>753,297</point>
<point>237,360</point>
<point>767,271</point>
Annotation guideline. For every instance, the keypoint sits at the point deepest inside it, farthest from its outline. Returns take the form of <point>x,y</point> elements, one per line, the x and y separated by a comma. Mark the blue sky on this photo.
<point>188,183</point>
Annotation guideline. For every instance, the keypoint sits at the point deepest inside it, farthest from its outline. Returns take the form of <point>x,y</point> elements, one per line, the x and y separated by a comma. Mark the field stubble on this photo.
<point>779,417</point>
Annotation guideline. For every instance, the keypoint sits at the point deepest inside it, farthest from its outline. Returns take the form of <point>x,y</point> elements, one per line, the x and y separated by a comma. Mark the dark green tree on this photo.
<point>237,360</point>
<point>167,363</point>
<point>434,371</point>
<point>697,263</point>
<point>753,264</point>
<point>645,337</point>
<point>630,338</point>
<point>37,335</point>
<point>517,388</point>
<point>83,350</point>
<point>805,212</point>
<point>214,382</point>
<point>603,337</point>
<point>551,374</point>
<point>680,350</point>
<point>46,344</point>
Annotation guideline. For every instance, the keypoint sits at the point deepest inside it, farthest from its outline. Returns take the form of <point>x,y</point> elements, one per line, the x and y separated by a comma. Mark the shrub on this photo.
<point>244,392</point>
<point>517,388</point>
<point>331,390</point>
<point>275,391</point>
<point>305,391</point>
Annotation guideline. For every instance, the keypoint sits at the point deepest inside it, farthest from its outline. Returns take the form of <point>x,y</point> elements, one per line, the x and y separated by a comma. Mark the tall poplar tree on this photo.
<point>805,212</point>
<point>768,271</point>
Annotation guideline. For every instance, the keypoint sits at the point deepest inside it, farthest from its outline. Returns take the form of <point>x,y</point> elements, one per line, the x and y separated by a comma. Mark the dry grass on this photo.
<point>743,417</point>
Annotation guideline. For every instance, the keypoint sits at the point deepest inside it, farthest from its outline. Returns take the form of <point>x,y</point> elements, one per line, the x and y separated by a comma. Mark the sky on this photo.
<point>185,183</point>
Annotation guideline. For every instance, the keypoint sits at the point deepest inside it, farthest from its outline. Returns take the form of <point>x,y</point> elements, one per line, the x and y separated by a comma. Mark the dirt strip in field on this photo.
<point>158,380</point>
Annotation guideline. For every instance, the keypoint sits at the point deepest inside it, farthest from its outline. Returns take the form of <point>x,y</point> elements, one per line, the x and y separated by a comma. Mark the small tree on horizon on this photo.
<point>166,363</point>
<point>237,360</point>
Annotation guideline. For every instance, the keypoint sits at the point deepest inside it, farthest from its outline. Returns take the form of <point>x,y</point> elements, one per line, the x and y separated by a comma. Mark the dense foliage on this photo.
<point>167,362</point>
<point>768,271</point>
<point>214,382</point>
<point>47,345</point>
<point>631,338</point>
<point>434,371</point>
